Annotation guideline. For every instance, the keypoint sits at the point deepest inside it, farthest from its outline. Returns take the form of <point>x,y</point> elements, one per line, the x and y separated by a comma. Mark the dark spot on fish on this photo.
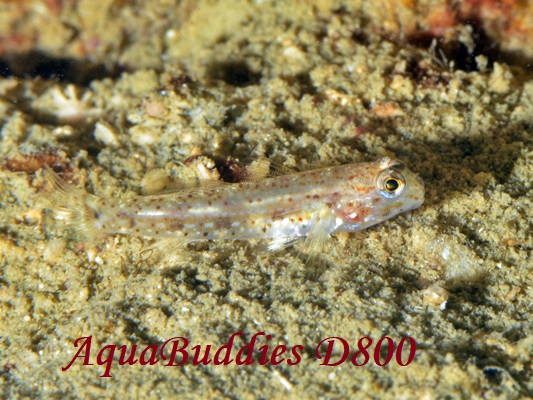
<point>176,226</point>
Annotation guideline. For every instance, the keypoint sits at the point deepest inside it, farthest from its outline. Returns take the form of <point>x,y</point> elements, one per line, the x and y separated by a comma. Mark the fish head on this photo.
<point>390,189</point>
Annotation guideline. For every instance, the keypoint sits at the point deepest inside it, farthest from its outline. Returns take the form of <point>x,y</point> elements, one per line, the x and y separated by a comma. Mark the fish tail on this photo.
<point>74,208</point>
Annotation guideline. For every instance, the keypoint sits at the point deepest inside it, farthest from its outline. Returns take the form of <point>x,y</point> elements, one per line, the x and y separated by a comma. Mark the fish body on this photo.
<point>312,204</point>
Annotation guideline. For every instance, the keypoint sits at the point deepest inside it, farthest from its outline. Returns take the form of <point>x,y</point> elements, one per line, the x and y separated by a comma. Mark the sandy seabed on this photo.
<point>118,95</point>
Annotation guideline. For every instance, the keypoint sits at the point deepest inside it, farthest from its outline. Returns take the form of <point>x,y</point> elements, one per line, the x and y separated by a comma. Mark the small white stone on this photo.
<point>106,134</point>
<point>436,295</point>
<point>154,181</point>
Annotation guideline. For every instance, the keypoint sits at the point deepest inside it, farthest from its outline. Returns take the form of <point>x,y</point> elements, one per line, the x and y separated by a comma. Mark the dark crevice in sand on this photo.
<point>37,64</point>
<point>235,73</point>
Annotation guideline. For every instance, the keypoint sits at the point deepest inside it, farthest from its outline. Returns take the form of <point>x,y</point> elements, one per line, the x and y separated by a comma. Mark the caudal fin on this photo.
<point>75,208</point>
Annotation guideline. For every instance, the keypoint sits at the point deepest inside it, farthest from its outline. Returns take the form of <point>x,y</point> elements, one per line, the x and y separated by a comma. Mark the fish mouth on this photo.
<point>418,191</point>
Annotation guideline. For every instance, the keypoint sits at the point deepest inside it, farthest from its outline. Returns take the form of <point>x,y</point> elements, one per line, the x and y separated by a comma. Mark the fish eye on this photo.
<point>390,183</point>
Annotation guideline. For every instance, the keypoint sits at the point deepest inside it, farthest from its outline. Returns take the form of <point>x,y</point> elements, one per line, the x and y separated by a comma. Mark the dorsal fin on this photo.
<point>189,185</point>
<point>180,185</point>
<point>262,167</point>
<point>255,170</point>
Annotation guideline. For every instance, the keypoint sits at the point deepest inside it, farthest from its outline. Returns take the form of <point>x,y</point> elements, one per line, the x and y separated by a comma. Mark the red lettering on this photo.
<point>264,354</point>
<point>85,346</point>
<point>249,348</point>
<point>264,351</point>
<point>175,343</point>
<point>362,349</point>
<point>278,351</point>
<point>131,360</point>
<point>377,351</point>
<point>227,348</point>
<point>153,349</point>
<point>205,359</point>
<point>412,351</point>
<point>329,351</point>
<point>108,360</point>
<point>295,352</point>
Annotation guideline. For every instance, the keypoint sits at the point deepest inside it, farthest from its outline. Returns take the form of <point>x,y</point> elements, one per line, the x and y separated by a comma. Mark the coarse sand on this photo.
<point>119,96</point>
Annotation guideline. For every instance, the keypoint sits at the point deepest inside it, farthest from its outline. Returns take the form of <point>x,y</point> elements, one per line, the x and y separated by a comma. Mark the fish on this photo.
<point>284,208</point>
